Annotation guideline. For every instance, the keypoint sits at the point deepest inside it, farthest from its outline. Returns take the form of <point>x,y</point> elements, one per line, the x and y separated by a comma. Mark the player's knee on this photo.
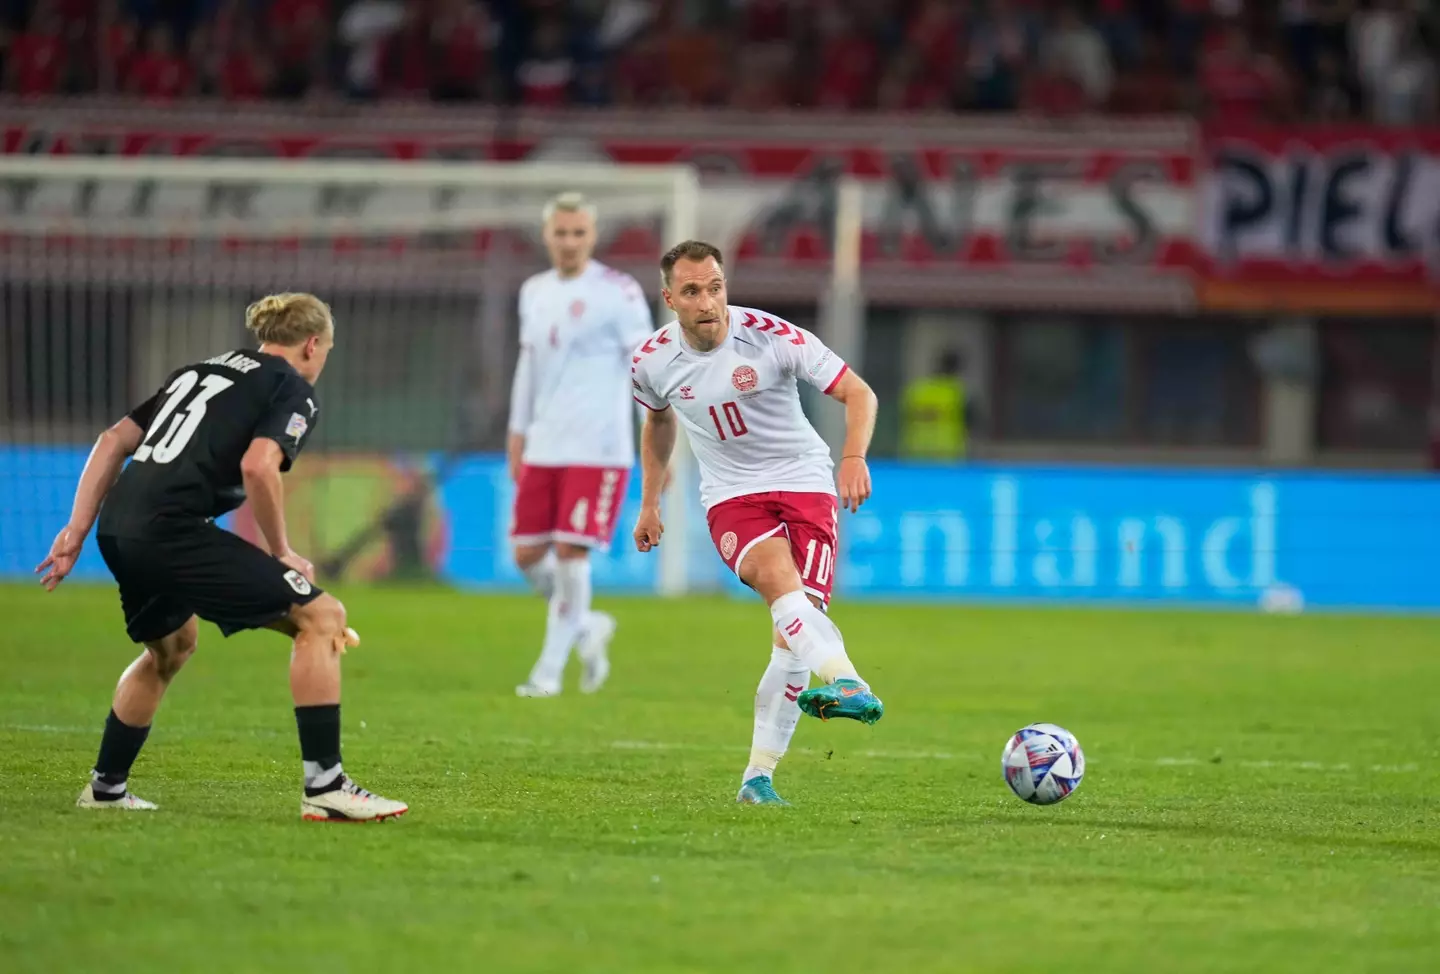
<point>771,577</point>
<point>324,616</point>
<point>527,555</point>
<point>570,552</point>
<point>169,654</point>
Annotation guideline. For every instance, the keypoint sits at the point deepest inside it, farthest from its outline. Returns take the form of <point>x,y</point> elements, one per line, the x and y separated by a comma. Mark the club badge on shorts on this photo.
<point>727,544</point>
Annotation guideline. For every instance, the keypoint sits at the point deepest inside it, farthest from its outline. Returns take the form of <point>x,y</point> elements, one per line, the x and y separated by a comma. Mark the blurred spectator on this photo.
<point>1333,95</point>
<point>116,38</point>
<point>622,21</point>
<point>159,71</point>
<point>37,63</point>
<point>935,413</point>
<point>463,38</point>
<point>1238,83</point>
<point>245,73</point>
<point>641,75</point>
<point>1151,88</point>
<point>1001,44</point>
<point>546,72</point>
<point>762,78</point>
<point>849,62</point>
<point>910,85</point>
<point>1375,40</point>
<point>405,56</point>
<point>1052,56</point>
<point>1076,50</point>
<point>1050,89</point>
<point>363,30</point>
<point>1404,91</point>
<point>933,44</point>
<point>1119,27</point>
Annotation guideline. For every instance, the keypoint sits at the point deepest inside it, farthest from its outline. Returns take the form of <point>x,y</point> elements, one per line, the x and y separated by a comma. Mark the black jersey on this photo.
<point>197,429</point>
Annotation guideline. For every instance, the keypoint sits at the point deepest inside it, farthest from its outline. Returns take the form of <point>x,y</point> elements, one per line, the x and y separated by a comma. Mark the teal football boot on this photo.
<point>843,698</point>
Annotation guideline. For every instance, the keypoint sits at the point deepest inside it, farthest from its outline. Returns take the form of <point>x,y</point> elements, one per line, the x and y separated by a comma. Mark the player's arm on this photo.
<point>522,409</point>
<point>260,472</point>
<point>107,458</point>
<point>279,437</point>
<point>657,443</point>
<point>861,405</point>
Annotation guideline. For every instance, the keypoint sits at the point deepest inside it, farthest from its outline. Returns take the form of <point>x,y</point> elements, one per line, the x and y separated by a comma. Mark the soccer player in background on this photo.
<point>572,436</point>
<point>728,375</point>
<point>215,433</point>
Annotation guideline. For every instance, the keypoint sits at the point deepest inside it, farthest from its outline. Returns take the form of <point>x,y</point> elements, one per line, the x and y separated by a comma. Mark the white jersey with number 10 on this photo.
<point>740,404</point>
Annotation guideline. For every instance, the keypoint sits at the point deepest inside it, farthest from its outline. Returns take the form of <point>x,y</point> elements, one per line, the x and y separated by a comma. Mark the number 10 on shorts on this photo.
<point>823,566</point>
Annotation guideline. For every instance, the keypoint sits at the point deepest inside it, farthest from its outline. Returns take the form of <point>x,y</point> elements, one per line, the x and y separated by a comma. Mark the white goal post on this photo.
<point>115,268</point>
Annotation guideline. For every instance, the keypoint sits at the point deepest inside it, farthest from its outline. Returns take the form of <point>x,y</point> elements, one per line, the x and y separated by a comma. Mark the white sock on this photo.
<point>813,638</point>
<point>541,575</point>
<point>564,622</point>
<point>776,712</point>
<point>317,776</point>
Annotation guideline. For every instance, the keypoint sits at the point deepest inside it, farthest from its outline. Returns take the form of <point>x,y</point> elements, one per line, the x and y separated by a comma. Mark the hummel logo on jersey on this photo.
<point>686,393</point>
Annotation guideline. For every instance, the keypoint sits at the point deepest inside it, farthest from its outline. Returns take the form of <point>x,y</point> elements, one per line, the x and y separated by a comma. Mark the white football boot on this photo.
<point>127,801</point>
<point>536,690</point>
<point>594,651</point>
<point>349,803</point>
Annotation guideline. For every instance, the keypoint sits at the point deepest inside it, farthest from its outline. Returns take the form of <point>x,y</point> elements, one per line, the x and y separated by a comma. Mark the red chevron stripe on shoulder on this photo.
<point>650,345</point>
<point>781,327</point>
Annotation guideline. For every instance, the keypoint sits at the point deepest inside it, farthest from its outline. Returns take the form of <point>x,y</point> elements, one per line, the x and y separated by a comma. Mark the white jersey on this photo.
<point>568,398</point>
<point>740,405</point>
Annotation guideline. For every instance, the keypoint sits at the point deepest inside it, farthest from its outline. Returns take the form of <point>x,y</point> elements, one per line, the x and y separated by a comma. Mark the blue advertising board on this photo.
<point>1065,534</point>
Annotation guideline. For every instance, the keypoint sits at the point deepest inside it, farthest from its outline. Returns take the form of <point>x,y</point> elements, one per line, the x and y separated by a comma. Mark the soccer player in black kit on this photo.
<point>216,433</point>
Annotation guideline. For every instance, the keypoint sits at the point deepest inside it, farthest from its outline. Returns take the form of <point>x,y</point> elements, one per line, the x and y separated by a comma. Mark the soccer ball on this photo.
<point>1043,763</point>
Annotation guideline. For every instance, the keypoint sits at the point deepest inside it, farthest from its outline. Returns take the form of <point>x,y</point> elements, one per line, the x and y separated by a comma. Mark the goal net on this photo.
<point>113,272</point>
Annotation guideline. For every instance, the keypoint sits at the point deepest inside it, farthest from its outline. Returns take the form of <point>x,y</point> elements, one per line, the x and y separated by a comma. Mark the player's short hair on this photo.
<point>288,318</point>
<point>567,203</point>
<point>697,250</point>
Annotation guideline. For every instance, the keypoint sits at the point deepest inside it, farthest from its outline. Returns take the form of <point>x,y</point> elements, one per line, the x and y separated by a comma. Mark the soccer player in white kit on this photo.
<point>572,435</point>
<point>728,375</point>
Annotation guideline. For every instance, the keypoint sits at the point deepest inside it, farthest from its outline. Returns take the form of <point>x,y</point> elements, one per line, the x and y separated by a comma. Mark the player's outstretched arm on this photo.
<point>107,458</point>
<point>657,442</point>
<point>853,479</point>
<point>260,471</point>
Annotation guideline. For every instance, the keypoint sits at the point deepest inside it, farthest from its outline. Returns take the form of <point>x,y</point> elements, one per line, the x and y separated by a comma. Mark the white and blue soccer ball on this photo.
<point>1043,763</point>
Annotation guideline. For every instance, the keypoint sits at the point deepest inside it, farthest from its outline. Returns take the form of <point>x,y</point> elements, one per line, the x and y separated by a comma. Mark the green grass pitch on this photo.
<point>1260,797</point>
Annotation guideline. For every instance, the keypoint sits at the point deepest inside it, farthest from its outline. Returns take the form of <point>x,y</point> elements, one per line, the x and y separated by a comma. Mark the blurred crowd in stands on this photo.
<point>1286,60</point>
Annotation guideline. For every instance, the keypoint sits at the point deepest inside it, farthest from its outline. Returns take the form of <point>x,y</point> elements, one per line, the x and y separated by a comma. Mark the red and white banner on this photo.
<point>1324,219</point>
<point>995,212</point>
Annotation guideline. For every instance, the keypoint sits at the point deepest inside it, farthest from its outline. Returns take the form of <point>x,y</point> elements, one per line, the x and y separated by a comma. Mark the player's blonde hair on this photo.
<point>567,203</point>
<point>288,318</point>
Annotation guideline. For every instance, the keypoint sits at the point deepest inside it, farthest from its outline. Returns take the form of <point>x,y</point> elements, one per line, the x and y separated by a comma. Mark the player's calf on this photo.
<point>137,698</point>
<point>321,635</point>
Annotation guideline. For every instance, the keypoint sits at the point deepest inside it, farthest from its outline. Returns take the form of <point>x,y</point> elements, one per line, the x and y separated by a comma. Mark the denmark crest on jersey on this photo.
<point>744,378</point>
<point>577,308</point>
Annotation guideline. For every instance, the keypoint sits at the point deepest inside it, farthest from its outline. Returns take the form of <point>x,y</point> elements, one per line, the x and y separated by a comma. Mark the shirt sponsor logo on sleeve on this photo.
<point>297,426</point>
